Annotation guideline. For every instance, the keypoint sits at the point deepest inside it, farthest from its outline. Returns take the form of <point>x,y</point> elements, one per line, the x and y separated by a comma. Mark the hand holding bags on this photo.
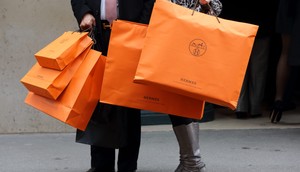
<point>195,55</point>
<point>63,50</point>
<point>125,46</point>
<point>78,101</point>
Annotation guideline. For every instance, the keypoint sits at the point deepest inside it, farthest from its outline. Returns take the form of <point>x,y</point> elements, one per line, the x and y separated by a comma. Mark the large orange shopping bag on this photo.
<point>124,50</point>
<point>194,54</point>
<point>78,101</point>
<point>48,82</point>
<point>63,50</point>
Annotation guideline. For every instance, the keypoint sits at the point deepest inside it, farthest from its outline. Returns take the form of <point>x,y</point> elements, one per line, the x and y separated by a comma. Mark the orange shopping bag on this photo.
<point>48,82</point>
<point>78,101</point>
<point>195,55</point>
<point>125,46</point>
<point>63,50</point>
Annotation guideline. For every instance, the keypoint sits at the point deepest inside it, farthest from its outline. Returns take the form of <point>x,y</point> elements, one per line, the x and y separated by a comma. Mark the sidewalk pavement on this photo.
<point>227,145</point>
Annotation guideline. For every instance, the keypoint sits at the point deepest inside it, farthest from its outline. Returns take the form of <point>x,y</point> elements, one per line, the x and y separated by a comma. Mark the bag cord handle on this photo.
<point>211,9</point>
<point>91,33</point>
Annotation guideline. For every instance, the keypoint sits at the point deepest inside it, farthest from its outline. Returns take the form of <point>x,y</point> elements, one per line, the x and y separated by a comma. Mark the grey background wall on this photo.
<point>26,26</point>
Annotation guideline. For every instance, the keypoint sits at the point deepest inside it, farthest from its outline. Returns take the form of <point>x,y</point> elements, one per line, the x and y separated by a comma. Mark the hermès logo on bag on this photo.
<point>150,98</point>
<point>197,47</point>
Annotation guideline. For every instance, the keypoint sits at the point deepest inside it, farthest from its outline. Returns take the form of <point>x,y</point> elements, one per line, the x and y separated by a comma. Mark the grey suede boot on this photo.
<point>189,148</point>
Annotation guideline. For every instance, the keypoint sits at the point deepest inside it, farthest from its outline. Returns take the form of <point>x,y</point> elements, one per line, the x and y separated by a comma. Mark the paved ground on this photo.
<point>227,144</point>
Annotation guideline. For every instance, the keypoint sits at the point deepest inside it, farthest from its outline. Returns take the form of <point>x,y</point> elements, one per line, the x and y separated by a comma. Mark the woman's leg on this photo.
<point>282,75</point>
<point>187,134</point>
<point>282,69</point>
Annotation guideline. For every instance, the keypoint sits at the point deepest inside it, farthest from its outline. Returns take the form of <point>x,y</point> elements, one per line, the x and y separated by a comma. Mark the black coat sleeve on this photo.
<point>80,8</point>
<point>146,12</point>
<point>136,10</point>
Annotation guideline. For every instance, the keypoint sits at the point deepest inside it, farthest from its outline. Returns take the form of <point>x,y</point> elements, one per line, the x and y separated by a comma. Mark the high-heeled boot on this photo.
<point>189,148</point>
<point>276,112</point>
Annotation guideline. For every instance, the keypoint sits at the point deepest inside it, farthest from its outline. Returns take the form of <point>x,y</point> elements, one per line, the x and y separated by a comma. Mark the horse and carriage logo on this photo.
<point>197,47</point>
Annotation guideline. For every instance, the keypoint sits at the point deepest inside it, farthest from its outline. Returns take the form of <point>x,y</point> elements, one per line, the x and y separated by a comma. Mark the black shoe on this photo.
<point>91,170</point>
<point>276,112</point>
<point>95,170</point>
<point>241,115</point>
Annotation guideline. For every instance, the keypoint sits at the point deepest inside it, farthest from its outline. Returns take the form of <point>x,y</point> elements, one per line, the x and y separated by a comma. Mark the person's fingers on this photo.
<point>87,22</point>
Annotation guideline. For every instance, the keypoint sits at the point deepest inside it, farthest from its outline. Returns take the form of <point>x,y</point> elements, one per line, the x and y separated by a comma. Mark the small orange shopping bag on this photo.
<point>63,50</point>
<point>78,101</point>
<point>48,82</point>
<point>126,42</point>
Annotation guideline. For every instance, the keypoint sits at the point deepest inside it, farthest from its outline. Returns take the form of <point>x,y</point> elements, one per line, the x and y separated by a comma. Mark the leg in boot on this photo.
<point>189,148</point>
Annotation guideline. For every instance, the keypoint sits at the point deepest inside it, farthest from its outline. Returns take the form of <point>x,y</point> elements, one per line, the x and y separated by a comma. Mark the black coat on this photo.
<point>110,124</point>
<point>261,13</point>
<point>130,10</point>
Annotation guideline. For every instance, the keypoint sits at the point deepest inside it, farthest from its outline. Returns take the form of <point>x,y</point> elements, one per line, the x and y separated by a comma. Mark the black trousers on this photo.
<point>103,159</point>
